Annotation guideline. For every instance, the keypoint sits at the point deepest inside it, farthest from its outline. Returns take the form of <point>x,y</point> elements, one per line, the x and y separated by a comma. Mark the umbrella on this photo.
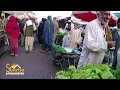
<point>90,15</point>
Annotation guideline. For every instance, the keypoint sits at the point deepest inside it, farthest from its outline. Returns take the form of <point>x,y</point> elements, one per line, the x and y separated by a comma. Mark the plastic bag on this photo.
<point>109,57</point>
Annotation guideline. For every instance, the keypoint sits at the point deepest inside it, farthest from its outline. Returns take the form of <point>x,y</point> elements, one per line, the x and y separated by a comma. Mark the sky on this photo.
<point>44,14</point>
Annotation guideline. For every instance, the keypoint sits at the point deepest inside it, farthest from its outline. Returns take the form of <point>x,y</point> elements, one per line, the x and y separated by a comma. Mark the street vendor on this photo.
<point>95,44</point>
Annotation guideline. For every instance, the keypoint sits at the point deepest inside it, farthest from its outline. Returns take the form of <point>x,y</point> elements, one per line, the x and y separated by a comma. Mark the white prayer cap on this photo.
<point>29,22</point>
<point>75,22</point>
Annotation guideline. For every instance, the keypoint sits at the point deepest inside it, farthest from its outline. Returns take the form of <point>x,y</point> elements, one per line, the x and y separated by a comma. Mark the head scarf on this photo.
<point>49,18</point>
<point>12,23</point>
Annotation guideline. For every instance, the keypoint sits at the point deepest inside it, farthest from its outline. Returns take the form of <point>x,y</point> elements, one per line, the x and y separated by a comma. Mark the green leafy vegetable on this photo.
<point>60,35</point>
<point>59,49</point>
<point>88,71</point>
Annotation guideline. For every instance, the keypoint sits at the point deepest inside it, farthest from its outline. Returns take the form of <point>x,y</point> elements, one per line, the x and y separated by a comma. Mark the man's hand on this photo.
<point>111,44</point>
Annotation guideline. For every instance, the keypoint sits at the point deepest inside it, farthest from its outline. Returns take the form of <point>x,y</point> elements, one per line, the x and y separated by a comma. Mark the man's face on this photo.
<point>75,26</point>
<point>104,16</point>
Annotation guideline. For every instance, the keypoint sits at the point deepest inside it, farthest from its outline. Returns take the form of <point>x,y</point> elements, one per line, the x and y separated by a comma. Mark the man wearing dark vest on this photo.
<point>29,29</point>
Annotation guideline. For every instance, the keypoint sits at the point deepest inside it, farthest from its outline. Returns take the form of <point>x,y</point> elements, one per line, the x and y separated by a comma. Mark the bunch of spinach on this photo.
<point>60,35</point>
<point>117,71</point>
<point>88,71</point>
<point>59,49</point>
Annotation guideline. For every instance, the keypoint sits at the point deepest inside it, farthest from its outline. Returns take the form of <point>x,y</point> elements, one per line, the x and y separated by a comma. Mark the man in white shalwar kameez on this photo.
<point>95,44</point>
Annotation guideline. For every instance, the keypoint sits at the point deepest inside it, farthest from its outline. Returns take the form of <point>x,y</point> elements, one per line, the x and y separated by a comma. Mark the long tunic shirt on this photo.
<point>94,45</point>
<point>75,38</point>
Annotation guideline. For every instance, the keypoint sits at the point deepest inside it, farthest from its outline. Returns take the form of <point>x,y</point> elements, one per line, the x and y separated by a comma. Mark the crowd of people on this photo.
<point>16,30</point>
<point>96,38</point>
<point>47,34</point>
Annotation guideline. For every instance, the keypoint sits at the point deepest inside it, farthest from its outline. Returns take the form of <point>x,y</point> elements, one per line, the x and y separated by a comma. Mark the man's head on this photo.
<point>76,25</point>
<point>49,18</point>
<point>44,19</point>
<point>54,18</point>
<point>104,16</point>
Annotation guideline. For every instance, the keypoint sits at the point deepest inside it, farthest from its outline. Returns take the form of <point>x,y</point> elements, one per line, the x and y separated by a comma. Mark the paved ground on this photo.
<point>36,65</point>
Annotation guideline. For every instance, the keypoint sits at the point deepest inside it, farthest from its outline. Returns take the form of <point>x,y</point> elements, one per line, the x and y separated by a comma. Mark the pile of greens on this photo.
<point>88,71</point>
<point>117,71</point>
<point>60,35</point>
<point>58,49</point>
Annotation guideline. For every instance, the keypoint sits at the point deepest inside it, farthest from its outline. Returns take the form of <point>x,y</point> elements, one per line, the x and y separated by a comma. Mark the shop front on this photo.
<point>2,38</point>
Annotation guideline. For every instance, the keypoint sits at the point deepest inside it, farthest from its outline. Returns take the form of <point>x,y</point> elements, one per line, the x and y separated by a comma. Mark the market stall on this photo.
<point>64,56</point>
<point>2,43</point>
<point>2,39</point>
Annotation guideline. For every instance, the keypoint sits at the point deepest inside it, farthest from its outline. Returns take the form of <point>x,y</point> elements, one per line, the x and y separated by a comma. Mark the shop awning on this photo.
<point>15,12</point>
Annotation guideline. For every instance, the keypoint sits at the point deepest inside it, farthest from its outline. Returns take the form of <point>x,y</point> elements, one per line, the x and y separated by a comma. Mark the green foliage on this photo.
<point>88,71</point>
<point>117,71</point>
<point>60,35</point>
<point>59,49</point>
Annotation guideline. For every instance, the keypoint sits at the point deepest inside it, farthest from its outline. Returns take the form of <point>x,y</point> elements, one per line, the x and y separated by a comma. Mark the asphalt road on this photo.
<point>36,65</point>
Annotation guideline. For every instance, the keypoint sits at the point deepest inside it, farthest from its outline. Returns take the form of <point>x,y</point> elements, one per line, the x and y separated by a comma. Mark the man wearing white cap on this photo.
<point>29,29</point>
<point>95,41</point>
